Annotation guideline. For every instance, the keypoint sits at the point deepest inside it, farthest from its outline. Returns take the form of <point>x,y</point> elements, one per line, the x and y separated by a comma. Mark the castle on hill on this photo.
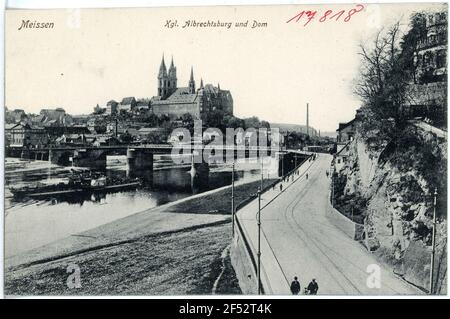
<point>175,101</point>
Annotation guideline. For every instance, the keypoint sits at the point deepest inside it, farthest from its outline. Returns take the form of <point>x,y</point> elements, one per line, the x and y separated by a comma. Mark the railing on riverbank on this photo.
<point>248,249</point>
<point>241,232</point>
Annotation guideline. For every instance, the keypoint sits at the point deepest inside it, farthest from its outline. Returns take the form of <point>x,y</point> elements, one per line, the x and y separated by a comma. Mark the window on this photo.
<point>426,59</point>
<point>441,58</point>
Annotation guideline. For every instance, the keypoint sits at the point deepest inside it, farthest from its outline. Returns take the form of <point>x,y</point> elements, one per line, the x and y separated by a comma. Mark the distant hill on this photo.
<point>328,134</point>
<point>293,128</point>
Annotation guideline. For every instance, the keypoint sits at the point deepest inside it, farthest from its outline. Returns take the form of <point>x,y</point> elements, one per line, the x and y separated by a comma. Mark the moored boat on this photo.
<point>78,183</point>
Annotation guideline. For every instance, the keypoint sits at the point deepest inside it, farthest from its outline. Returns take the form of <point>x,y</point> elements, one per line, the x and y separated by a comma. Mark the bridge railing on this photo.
<point>158,146</point>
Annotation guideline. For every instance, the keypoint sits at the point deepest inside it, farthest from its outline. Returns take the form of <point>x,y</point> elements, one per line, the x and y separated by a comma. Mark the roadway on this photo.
<point>299,240</point>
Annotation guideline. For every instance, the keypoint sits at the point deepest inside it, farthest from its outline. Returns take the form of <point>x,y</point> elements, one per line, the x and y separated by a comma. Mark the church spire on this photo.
<point>162,69</point>
<point>192,82</point>
<point>172,78</point>
<point>163,80</point>
<point>172,71</point>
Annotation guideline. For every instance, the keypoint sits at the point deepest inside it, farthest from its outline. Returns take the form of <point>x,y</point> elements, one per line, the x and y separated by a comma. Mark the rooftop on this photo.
<point>181,95</point>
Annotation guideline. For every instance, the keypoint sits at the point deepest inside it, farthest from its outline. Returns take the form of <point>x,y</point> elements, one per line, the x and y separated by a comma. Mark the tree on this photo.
<point>233,122</point>
<point>214,118</point>
<point>100,128</point>
<point>410,44</point>
<point>296,139</point>
<point>265,124</point>
<point>163,118</point>
<point>187,121</point>
<point>150,118</point>
<point>383,78</point>
<point>126,138</point>
<point>157,138</point>
<point>252,122</point>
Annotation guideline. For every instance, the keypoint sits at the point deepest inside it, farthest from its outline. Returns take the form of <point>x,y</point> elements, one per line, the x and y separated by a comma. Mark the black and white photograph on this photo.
<point>295,150</point>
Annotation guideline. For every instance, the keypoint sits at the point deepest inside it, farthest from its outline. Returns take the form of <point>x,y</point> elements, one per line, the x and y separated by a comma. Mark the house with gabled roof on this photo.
<point>127,104</point>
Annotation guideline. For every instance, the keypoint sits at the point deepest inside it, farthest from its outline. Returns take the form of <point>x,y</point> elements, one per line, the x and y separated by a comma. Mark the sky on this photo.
<point>94,55</point>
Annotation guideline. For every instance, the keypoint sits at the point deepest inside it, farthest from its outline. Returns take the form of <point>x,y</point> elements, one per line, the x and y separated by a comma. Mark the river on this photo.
<point>33,223</point>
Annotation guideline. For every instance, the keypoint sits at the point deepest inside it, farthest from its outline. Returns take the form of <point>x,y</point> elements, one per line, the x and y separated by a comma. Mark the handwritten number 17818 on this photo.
<point>327,16</point>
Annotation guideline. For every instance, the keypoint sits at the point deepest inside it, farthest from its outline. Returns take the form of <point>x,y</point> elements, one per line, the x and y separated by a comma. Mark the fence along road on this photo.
<point>299,240</point>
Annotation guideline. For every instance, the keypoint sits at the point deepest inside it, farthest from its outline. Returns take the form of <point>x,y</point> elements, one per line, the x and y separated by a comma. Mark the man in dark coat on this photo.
<point>295,286</point>
<point>313,287</point>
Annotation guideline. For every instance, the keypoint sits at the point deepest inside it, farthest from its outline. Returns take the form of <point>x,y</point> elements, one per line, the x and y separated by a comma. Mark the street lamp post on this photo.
<point>232,201</point>
<point>262,172</point>
<point>332,189</point>
<point>433,244</point>
<point>259,241</point>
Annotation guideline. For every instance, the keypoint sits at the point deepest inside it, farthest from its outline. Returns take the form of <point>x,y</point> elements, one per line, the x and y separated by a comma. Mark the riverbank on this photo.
<point>27,221</point>
<point>172,249</point>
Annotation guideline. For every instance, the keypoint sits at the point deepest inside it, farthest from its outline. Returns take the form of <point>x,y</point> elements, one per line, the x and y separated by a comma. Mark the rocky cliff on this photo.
<point>389,186</point>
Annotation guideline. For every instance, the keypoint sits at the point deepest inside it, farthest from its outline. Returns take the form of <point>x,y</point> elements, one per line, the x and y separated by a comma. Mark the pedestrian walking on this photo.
<point>295,286</point>
<point>313,287</point>
<point>306,175</point>
<point>281,187</point>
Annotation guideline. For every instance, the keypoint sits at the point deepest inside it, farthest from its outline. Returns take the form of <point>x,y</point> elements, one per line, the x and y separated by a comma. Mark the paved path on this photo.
<point>299,240</point>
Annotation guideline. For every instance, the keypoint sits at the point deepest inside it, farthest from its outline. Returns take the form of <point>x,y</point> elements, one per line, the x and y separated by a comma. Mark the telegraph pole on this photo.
<point>259,241</point>
<point>433,244</point>
<point>232,201</point>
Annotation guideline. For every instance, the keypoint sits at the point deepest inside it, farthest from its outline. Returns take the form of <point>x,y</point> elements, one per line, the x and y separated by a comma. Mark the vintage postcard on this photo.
<point>289,150</point>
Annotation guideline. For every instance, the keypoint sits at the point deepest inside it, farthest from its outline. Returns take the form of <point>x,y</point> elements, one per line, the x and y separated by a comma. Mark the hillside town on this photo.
<point>130,120</point>
<point>135,121</point>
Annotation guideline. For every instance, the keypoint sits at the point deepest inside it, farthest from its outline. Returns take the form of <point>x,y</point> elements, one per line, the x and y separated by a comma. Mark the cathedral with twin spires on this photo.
<point>176,101</point>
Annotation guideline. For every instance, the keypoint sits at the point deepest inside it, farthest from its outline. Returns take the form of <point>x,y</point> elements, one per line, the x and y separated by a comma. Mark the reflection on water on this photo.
<point>33,223</point>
